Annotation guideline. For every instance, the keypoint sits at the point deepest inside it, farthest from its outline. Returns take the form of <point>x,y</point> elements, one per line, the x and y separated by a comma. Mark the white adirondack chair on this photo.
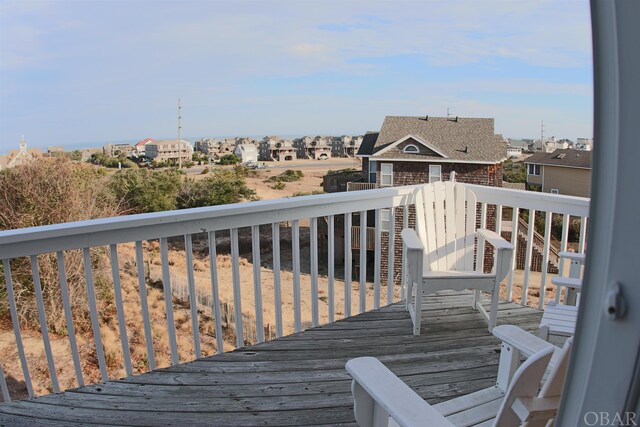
<point>559,320</point>
<point>441,250</point>
<point>382,399</point>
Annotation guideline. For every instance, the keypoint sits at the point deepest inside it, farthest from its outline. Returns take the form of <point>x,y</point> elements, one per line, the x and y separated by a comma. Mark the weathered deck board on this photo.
<point>295,380</point>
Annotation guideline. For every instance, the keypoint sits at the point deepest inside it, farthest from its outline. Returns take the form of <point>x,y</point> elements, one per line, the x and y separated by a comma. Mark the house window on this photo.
<point>411,149</point>
<point>555,191</point>
<point>534,169</point>
<point>435,173</point>
<point>386,175</point>
<point>385,219</point>
<point>372,172</point>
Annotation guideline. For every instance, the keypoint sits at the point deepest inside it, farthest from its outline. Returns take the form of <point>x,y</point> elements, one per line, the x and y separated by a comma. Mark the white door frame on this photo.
<point>604,378</point>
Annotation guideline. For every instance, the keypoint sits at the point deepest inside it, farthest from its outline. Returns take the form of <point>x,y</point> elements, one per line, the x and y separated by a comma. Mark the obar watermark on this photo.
<point>593,418</point>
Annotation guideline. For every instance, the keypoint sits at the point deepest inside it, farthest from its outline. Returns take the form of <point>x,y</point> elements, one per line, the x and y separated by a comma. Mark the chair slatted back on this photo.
<point>446,223</point>
<point>525,383</point>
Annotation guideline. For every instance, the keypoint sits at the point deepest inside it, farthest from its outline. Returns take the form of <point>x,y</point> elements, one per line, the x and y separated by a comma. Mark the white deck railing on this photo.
<point>208,222</point>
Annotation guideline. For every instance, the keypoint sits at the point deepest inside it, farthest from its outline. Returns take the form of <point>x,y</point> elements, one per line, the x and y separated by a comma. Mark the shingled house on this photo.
<point>561,172</point>
<point>415,150</point>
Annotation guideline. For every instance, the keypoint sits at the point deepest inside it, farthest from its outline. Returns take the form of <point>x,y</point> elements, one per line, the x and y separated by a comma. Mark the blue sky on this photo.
<point>80,71</point>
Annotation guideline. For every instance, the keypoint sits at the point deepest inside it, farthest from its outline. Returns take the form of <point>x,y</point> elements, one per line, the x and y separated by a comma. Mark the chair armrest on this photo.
<point>525,342</point>
<point>391,394</point>
<point>535,408</point>
<point>494,239</point>
<point>411,240</point>
<point>574,256</point>
<point>569,282</point>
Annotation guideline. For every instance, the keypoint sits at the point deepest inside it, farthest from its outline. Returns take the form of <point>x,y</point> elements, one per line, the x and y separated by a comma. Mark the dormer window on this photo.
<point>411,149</point>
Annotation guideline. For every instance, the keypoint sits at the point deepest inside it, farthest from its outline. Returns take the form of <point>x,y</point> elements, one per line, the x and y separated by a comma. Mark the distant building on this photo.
<point>140,146</point>
<point>247,152</point>
<point>169,150</point>
<point>525,145</point>
<point>352,145</point>
<point>514,152</point>
<point>561,172</point>
<point>114,150</point>
<point>585,144</point>
<point>20,156</point>
<point>548,145</point>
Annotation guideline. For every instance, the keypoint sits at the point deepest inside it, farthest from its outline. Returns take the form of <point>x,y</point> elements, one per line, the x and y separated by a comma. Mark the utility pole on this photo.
<point>448,112</point>
<point>179,131</point>
<point>541,130</point>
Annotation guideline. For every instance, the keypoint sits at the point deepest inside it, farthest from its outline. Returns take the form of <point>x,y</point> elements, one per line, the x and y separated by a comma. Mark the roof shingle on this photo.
<point>563,157</point>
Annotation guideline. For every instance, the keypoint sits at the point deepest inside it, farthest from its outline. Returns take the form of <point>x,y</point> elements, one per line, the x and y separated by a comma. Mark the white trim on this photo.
<point>415,138</point>
<point>417,150</point>
<point>477,162</point>
<point>386,174</point>
<point>439,173</point>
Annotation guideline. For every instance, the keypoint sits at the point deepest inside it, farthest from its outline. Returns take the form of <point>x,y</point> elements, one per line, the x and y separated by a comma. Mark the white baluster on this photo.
<point>68,316</point>
<point>168,300</point>
<point>213,270</point>
<point>144,305</point>
<point>193,296</point>
<point>257,282</point>
<point>122,326</point>
<point>93,311</point>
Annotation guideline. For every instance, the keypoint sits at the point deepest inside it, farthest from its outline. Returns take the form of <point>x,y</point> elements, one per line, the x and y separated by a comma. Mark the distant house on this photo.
<point>352,145</point>
<point>514,152</point>
<point>414,150</point>
<point>319,148</point>
<point>114,150</point>
<point>169,150</point>
<point>585,144</point>
<point>548,145</point>
<point>247,152</point>
<point>560,172</point>
<point>276,149</point>
<point>20,156</point>
<point>140,146</point>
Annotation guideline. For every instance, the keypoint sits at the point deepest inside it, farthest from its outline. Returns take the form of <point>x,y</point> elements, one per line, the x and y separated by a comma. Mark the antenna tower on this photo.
<point>179,131</point>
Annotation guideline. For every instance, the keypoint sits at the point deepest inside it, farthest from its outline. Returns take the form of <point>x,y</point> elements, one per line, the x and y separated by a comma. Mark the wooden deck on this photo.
<point>295,380</point>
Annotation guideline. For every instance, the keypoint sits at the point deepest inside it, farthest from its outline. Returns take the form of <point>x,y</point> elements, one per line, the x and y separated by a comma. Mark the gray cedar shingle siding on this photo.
<point>464,139</point>
<point>560,157</point>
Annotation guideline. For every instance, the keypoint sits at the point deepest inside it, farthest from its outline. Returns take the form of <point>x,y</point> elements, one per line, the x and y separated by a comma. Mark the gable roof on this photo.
<point>367,144</point>
<point>460,139</point>
<point>391,148</point>
<point>563,157</point>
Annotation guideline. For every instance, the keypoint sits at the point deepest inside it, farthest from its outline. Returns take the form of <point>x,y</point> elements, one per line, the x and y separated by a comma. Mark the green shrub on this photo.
<point>287,176</point>
<point>229,159</point>
<point>515,172</point>
<point>278,185</point>
<point>143,190</point>
<point>221,187</point>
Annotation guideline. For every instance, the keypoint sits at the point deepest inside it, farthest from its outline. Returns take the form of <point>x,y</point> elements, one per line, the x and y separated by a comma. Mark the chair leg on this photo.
<point>417,318</point>
<point>476,299</point>
<point>493,313</point>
